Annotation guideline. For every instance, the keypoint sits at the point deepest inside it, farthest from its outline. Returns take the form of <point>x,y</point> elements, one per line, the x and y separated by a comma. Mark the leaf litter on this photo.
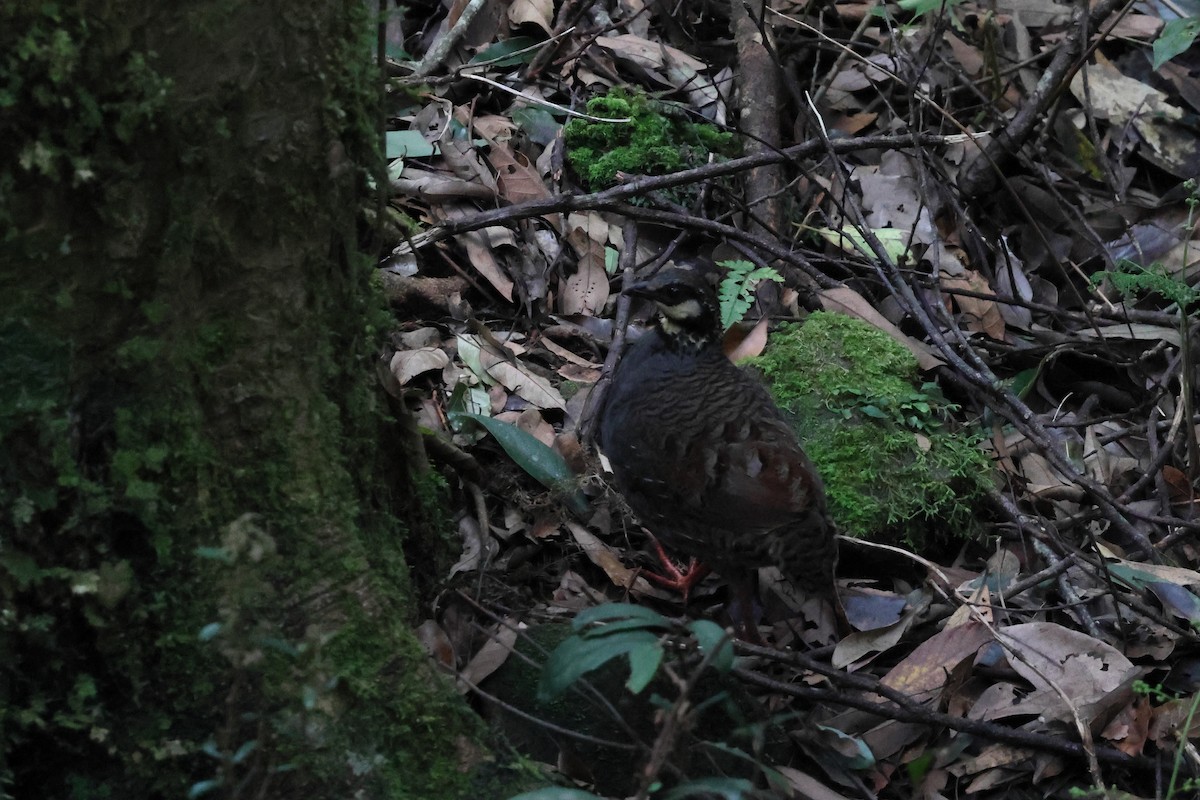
<point>1054,651</point>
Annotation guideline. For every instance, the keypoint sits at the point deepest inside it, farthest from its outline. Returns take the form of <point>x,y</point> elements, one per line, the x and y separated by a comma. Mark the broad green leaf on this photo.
<point>894,241</point>
<point>577,656</point>
<point>539,124</point>
<point>410,144</point>
<point>503,50</point>
<point>542,463</point>
<point>611,612</point>
<point>643,666</point>
<point>1177,36</point>
<point>865,758</point>
<point>725,788</point>
<point>556,793</point>
<point>713,639</point>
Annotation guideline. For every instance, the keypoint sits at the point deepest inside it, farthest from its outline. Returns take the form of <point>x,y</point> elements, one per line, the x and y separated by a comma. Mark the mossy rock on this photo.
<point>657,140</point>
<point>894,466</point>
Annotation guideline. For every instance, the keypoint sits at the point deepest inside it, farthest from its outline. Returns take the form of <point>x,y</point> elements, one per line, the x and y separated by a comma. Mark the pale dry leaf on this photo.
<point>750,345</point>
<point>532,422</point>
<point>1085,669</point>
<point>1138,331</point>
<point>407,364</point>
<point>980,315</point>
<point>860,644</point>
<point>562,352</point>
<point>1130,728</point>
<point>436,187</point>
<point>533,388</point>
<point>533,12</point>
<point>578,374</point>
<point>491,656</point>
<point>585,291</point>
<point>607,559</point>
<point>1044,481</point>
<point>478,548</point>
<point>646,53</point>
<point>482,246</point>
<point>807,786</point>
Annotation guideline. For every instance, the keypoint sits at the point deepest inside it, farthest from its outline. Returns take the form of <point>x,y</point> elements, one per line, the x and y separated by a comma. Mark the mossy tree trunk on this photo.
<point>202,586</point>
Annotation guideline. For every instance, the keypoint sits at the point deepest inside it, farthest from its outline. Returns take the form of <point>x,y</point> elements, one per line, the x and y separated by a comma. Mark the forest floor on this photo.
<point>1000,190</point>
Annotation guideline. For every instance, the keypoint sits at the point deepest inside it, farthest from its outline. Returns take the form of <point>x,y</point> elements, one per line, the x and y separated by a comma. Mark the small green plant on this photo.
<point>657,140</point>
<point>1131,279</point>
<point>622,629</point>
<point>737,288</point>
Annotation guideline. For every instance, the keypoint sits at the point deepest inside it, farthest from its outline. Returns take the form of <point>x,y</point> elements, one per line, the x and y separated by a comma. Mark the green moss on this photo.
<point>656,141</point>
<point>201,573</point>
<point>891,461</point>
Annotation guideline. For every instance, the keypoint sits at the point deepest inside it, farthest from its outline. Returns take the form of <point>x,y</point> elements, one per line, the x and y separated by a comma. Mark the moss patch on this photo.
<point>892,463</point>
<point>656,141</point>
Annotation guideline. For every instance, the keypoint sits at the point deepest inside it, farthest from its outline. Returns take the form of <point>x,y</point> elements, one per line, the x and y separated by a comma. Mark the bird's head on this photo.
<point>687,307</point>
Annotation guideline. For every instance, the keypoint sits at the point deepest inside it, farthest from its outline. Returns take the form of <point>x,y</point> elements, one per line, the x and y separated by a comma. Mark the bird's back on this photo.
<point>707,462</point>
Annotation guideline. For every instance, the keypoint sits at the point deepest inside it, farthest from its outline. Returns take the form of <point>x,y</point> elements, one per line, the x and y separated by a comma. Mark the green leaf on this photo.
<point>557,793</point>
<point>201,788</point>
<point>407,144</point>
<point>503,52</point>
<point>545,465</point>
<point>736,292</point>
<point>1177,36</point>
<point>726,788</point>
<point>611,612</point>
<point>644,662</point>
<point>865,758</point>
<point>577,656</point>
<point>713,640</point>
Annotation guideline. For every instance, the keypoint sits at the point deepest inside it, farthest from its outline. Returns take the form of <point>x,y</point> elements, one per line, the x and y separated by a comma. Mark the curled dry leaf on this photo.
<point>491,656</point>
<point>644,53</point>
<point>980,315</point>
<point>478,548</point>
<point>743,343</point>
<point>532,12</point>
<point>608,560</point>
<point>408,364</point>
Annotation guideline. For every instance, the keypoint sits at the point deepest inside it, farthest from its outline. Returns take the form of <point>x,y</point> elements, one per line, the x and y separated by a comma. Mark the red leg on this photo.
<point>682,580</point>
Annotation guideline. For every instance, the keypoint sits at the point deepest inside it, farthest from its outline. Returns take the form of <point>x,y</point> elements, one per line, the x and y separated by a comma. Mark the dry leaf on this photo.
<point>533,388</point>
<point>491,656</point>
<point>1085,669</point>
<point>408,364</point>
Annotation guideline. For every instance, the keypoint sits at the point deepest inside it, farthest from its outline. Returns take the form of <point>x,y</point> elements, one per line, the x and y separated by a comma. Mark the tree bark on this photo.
<point>202,582</point>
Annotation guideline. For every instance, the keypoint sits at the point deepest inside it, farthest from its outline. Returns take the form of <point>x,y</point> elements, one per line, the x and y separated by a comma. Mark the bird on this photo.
<point>705,458</point>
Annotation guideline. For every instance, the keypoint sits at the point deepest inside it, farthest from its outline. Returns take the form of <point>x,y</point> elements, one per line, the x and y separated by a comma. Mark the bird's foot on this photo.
<point>680,579</point>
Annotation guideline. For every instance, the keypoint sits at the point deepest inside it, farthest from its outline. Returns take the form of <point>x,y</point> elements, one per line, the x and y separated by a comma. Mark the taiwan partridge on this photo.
<point>704,457</point>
